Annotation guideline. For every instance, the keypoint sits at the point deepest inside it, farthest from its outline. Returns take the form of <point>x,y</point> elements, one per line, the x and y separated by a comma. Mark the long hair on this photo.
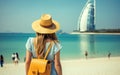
<point>40,42</point>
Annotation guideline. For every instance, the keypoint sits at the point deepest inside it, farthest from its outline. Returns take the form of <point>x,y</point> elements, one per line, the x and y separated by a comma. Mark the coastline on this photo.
<point>95,33</point>
<point>92,66</point>
<point>116,33</point>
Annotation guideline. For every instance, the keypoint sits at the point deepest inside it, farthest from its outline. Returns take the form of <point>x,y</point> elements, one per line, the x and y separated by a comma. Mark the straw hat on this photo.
<point>45,25</point>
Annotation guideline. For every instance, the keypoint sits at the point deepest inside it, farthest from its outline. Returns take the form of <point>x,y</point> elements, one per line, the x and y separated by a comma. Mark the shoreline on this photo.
<point>116,33</point>
<point>67,59</point>
<point>91,66</point>
<point>95,33</point>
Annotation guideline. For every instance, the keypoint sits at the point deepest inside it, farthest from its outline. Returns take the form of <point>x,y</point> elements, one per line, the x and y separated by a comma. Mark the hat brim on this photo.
<point>45,30</point>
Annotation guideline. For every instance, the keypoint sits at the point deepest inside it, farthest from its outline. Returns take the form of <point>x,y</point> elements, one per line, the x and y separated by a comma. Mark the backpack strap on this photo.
<point>48,50</point>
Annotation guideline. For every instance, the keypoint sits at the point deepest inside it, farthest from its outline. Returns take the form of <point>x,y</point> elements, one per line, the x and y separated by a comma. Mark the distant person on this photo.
<point>1,60</point>
<point>109,54</point>
<point>13,57</point>
<point>16,58</point>
<point>86,54</point>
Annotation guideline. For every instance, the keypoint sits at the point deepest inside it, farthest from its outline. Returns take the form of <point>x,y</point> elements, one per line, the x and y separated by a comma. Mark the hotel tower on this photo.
<point>86,21</point>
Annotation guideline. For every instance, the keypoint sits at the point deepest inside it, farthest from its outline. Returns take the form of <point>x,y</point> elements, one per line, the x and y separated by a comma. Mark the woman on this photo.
<point>1,60</point>
<point>45,29</point>
<point>16,58</point>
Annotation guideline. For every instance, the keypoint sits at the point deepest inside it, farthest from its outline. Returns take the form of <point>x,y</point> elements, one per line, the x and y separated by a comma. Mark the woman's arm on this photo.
<point>28,60</point>
<point>58,64</point>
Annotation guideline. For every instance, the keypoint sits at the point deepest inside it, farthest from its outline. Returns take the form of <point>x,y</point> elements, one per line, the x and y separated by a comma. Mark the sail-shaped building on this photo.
<point>86,21</point>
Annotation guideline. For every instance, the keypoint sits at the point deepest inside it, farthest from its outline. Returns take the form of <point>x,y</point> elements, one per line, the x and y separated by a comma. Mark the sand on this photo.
<point>94,66</point>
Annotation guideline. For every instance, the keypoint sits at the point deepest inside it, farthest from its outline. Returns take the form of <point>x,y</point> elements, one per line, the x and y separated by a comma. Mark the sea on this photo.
<point>74,46</point>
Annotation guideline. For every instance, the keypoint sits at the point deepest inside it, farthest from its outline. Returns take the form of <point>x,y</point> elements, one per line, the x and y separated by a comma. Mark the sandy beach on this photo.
<point>93,66</point>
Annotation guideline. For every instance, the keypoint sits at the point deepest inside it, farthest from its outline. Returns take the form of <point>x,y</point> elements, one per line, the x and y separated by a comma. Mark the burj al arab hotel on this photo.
<point>86,21</point>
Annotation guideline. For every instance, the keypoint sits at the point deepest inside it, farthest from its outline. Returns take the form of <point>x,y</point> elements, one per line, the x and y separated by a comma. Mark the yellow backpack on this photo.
<point>40,66</point>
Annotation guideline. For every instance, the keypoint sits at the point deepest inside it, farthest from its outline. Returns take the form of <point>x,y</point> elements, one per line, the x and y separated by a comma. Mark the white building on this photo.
<point>86,21</point>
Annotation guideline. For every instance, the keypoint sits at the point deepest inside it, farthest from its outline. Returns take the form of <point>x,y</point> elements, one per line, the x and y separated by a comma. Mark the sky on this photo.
<point>18,15</point>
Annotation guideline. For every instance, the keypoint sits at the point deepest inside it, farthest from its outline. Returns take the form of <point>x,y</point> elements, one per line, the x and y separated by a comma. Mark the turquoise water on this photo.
<point>74,46</point>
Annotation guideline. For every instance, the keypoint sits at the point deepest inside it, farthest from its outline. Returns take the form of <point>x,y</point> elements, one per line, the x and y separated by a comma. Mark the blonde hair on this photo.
<point>40,43</point>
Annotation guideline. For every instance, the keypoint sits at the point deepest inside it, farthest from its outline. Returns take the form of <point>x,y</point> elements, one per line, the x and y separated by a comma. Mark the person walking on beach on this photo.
<point>17,55</point>
<point>86,54</point>
<point>1,60</point>
<point>45,29</point>
<point>16,60</point>
<point>13,57</point>
<point>109,54</point>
